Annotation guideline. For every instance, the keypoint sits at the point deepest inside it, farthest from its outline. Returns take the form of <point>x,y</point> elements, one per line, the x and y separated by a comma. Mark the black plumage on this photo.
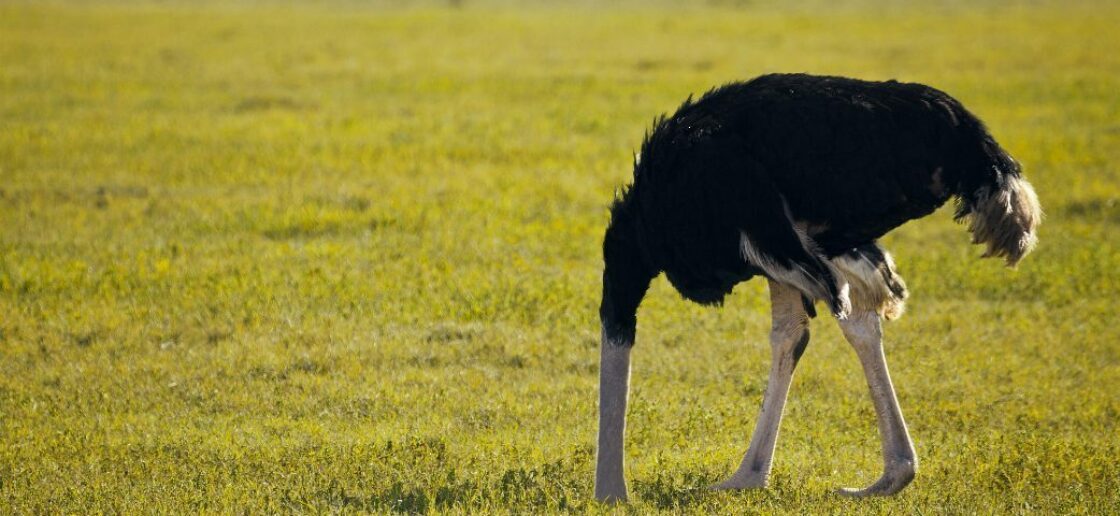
<point>842,161</point>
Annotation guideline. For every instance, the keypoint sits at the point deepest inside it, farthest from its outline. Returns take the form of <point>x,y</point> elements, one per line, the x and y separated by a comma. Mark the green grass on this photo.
<point>323,257</point>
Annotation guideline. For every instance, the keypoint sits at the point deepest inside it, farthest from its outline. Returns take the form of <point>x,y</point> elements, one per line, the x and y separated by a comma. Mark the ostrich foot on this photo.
<point>610,492</point>
<point>737,482</point>
<point>892,481</point>
<point>611,498</point>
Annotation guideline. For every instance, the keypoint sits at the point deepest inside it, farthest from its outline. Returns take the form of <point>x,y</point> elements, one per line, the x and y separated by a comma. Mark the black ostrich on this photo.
<point>794,177</point>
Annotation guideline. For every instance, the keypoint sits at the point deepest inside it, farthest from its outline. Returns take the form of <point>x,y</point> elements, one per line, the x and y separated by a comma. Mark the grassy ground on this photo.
<point>313,257</point>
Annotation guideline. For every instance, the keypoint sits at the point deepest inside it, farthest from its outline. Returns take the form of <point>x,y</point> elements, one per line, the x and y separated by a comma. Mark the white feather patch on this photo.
<point>869,288</point>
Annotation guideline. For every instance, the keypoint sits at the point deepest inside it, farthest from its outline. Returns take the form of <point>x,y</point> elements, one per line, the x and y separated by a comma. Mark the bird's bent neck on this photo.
<point>626,277</point>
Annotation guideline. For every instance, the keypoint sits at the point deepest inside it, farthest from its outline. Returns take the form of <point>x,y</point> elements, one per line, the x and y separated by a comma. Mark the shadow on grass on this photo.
<point>517,487</point>
<point>399,498</point>
<point>549,486</point>
<point>675,492</point>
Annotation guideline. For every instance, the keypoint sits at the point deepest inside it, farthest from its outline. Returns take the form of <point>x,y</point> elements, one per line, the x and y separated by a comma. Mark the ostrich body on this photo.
<point>793,178</point>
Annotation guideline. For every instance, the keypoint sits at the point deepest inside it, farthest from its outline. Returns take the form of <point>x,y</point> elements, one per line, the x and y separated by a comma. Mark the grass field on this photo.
<point>326,257</point>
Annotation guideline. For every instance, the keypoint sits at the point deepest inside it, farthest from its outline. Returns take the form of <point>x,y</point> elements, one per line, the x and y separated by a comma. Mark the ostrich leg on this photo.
<point>788,337</point>
<point>900,463</point>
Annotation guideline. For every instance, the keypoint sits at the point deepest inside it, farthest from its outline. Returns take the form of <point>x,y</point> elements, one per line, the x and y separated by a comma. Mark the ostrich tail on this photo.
<point>1004,218</point>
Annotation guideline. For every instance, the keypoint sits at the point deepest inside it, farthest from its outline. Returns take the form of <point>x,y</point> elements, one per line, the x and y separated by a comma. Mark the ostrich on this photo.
<point>793,177</point>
